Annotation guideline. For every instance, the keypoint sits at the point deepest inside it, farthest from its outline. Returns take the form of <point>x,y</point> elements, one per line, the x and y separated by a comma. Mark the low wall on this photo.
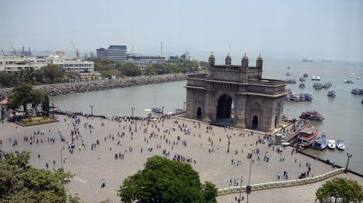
<point>77,87</point>
<point>280,184</point>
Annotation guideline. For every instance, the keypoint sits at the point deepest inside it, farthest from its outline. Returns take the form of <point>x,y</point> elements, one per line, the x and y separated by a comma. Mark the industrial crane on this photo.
<point>76,50</point>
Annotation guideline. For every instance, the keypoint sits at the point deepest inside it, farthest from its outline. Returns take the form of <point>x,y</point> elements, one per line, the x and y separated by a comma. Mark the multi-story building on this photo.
<point>113,53</point>
<point>17,63</point>
<point>101,53</point>
<point>77,65</point>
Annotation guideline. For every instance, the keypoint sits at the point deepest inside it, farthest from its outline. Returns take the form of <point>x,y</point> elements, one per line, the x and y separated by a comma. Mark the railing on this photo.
<point>280,184</point>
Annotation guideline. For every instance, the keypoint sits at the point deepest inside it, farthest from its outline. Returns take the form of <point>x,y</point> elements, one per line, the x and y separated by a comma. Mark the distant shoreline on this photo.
<point>88,86</point>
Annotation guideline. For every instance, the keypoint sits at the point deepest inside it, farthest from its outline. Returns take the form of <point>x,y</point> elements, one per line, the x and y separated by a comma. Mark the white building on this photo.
<point>77,65</point>
<point>113,53</point>
<point>17,63</point>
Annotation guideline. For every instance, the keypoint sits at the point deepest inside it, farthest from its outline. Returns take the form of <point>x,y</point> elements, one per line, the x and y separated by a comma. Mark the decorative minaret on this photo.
<point>211,60</point>
<point>228,60</point>
<point>244,61</point>
<point>259,63</point>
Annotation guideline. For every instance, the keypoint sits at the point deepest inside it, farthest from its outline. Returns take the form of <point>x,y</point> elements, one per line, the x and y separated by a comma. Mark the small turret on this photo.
<point>228,60</point>
<point>244,61</point>
<point>259,62</point>
<point>211,60</point>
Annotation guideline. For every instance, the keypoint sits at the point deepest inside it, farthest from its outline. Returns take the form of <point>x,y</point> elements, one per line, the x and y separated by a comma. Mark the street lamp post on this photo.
<point>132,111</point>
<point>248,187</point>
<point>229,142</point>
<point>346,167</point>
<point>91,106</point>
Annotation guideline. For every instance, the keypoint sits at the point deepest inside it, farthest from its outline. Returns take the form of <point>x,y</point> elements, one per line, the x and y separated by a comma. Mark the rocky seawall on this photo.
<point>77,87</point>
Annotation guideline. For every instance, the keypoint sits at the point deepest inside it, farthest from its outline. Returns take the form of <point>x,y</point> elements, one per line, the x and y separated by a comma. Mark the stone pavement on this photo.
<point>203,146</point>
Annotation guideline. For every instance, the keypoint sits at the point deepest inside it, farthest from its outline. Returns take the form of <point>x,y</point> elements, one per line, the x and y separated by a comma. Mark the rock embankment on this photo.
<point>76,87</point>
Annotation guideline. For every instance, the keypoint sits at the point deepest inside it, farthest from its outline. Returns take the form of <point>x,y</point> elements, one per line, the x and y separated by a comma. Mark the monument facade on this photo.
<point>235,95</point>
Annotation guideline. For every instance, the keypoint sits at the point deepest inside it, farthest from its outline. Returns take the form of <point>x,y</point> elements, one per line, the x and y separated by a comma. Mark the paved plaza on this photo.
<point>109,150</point>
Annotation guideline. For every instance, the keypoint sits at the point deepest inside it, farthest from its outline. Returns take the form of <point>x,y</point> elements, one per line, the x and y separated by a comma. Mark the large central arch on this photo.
<point>224,107</point>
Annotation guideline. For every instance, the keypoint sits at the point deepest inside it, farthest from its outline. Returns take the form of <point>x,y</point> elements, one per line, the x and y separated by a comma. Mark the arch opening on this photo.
<point>254,122</point>
<point>224,107</point>
<point>199,113</point>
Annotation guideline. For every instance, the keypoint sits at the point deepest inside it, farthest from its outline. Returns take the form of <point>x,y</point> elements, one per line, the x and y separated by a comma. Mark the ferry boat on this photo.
<point>311,115</point>
<point>340,145</point>
<point>357,91</point>
<point>321,142</point>
<point>302,85</point>
<point>332,144</point>
<point>331,93</point>
<point>307,136</point>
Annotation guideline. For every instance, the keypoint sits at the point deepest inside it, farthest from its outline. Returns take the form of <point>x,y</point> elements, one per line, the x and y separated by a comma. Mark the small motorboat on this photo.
<point>305,75</point>
<point>321,142</point>
<point>340,145</point>
<point>302,85</point>
<point>331,93</point>
<point>332,144</point>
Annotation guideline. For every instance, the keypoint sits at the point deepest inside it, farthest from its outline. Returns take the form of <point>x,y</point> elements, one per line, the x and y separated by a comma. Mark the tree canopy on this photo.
<point>164,180</point>
<point>340,189</point>
<point>20,182</point>
<point>24,94</point>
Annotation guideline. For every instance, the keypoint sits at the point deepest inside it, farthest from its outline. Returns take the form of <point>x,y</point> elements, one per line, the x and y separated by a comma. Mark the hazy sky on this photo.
<point>331,29</point>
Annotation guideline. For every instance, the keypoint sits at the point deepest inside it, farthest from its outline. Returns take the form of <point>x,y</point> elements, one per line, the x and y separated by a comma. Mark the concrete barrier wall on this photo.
<point>280,184</point>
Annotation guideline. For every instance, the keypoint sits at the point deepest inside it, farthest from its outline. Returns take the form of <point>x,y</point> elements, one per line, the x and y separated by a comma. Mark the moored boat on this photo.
<point>307,136</point>
<point>302,85</point>
<point>332,144</point>
<point>321,142</point>
<point>157,110</point>
<point>340,144</point>
<point>305,75</point>
<point>331,93</point>
<point>311,115</point>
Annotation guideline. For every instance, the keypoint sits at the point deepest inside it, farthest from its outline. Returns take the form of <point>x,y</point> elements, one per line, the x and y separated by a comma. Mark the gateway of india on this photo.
<point>235,95</point>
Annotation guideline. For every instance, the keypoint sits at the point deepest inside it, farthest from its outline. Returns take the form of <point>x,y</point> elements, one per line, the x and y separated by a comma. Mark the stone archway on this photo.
<point>199,113</point>
<point>224,107</point>
<point>255,122</point>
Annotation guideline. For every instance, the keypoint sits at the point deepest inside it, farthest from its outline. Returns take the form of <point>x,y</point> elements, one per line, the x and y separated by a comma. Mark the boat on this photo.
<point>302,79</point>
<point>331,93</point>
<point>340,145</point>
<point>305,75</point>
<point>308,97</point>
<point>315,78</point>
<point>327,85</point>
<point>358,77</point>
<point>306,137</point>
<point>332,144</point>
<point>361,101</point>
<point>357,91</point>
<point>287,74</point>
<point>288,67</point>
<point>311,115</point>
<point>290,81</point>
<point>157,110</point>
<point>321,142</point>
<point>302,85</point>
<point>318,86</point>
<point>348,81</point>
<point>306,60</point>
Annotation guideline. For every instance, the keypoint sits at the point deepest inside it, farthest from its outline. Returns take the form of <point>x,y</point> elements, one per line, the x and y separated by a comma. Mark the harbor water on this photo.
<point>343,114</point>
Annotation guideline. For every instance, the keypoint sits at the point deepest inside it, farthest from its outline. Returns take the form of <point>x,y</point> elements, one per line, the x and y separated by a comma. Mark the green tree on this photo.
<point>24,94</point>
<point>164,180</point>
<point>340,188</point>
<point>129,69</point>
<point>20,182</point>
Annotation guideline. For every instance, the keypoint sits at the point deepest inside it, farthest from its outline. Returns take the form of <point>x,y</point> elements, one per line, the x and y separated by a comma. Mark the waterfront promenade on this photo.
<point>109,150</point>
